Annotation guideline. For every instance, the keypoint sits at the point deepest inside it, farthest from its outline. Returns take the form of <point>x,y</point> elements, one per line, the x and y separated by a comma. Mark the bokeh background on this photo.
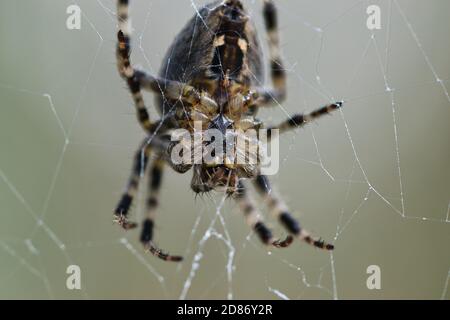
<point>375,178</point>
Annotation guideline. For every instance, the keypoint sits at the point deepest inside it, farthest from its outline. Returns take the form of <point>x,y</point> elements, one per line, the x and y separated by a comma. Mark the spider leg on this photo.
<point>152,204</point>
<point>124,67</point>
<point>137,79</point>
<point>139,166</point>
<point>163,145</point>
<point>174,90</point>
<point>299,120</point>
<point>254,220</point>
<point>277,94</point>
<point>278,73</point>
<point>279,210</point>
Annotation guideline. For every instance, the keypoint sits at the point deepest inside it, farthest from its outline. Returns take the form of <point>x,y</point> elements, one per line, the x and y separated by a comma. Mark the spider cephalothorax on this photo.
<point>210,85</point>
<point>226,124</point>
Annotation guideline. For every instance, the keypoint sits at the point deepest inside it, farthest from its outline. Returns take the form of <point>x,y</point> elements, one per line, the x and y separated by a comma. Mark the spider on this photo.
<point>211,72</point>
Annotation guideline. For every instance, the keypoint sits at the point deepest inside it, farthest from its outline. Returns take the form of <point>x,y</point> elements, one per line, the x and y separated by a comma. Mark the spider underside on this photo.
<point>213,72</point>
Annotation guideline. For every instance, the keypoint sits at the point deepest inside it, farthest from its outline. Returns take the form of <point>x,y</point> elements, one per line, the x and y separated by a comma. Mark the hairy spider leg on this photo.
<point>156,174</point>
<point>139,166</point>
<point>279,210</point>
<point>254,219</point>
<point>299,120</point>
<point>124,67</point>
<point>277,93</point>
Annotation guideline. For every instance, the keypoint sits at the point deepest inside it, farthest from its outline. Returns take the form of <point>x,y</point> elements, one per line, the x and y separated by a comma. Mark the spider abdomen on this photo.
<point>218,42</point>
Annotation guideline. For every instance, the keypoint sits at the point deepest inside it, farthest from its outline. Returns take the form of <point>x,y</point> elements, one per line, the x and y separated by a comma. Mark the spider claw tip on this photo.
<point>176,258</point>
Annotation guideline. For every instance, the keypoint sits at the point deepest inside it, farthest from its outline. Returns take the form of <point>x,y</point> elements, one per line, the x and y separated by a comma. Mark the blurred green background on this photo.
<point>376,176</point>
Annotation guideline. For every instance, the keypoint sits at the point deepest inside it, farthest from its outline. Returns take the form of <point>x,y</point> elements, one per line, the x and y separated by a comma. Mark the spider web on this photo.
<point>373,177</point>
